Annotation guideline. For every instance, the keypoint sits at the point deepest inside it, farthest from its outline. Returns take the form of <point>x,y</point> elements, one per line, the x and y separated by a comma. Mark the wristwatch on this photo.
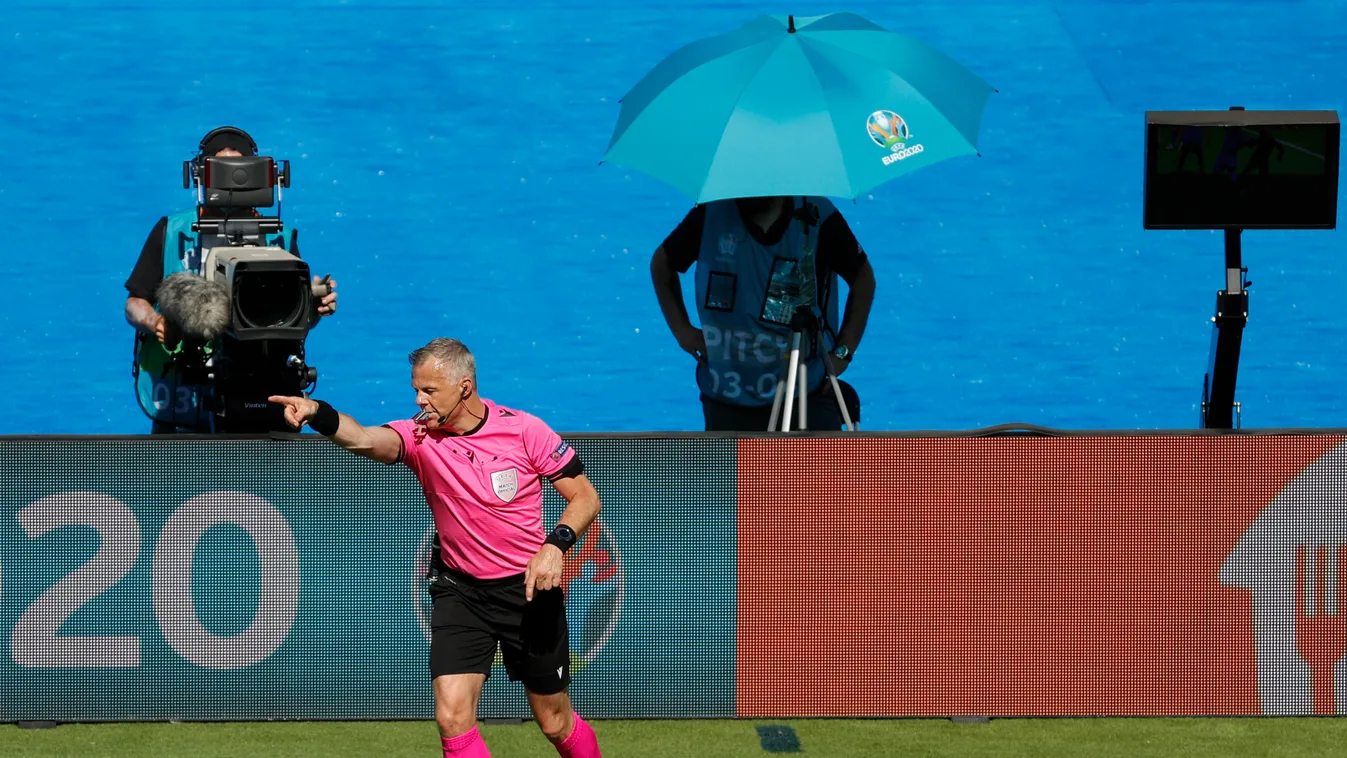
<point>842,352</point>
<point>562,536</point>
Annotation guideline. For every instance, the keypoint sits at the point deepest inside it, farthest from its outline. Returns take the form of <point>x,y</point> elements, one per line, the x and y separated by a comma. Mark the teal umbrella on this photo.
<point>829,105</point>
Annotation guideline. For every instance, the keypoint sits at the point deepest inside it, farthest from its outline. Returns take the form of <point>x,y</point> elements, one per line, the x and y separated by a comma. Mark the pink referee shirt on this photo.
<point>485,488</point>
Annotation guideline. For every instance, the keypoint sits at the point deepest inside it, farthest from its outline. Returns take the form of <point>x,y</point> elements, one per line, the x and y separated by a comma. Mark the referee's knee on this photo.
<point>555,724</point>
<point>454,721</point>
<point>553,713</point>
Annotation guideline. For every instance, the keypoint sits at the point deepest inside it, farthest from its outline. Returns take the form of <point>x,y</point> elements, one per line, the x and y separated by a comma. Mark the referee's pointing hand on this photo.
<point>298,410</point>
<point>544,570</point>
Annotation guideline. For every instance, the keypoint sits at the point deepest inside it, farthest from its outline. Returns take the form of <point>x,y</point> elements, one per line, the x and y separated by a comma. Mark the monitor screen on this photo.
<point>1241,170</point>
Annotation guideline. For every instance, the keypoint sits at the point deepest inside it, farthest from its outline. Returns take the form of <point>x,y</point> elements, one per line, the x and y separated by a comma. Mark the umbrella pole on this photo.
<point>797,384</point>
<point>788,393</point>
<point>804,395</point>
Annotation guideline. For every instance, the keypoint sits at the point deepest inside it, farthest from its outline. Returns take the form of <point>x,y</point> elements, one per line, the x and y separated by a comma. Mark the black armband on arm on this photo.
<point>575,467</point>
<point>326,421</point>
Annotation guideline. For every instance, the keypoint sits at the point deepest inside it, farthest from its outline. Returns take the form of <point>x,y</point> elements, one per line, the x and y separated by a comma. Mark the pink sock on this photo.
<point>467,745</point>
<point>582,743</point>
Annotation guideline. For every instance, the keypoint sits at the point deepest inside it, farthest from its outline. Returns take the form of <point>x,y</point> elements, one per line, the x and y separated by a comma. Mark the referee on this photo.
<point>481,466</point>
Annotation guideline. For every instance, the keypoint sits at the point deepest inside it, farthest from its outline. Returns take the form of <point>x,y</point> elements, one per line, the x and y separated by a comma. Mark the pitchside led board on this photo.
<point>1238,169</point>
<point>1081,575</point>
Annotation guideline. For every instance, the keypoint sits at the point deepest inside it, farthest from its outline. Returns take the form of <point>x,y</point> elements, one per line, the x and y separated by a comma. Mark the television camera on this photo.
<point>244,318</point>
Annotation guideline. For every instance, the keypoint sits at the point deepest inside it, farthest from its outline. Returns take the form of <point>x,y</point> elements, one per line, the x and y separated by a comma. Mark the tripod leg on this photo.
<point>776,406</point>
<point>791,369</point>
<point>837,392</point>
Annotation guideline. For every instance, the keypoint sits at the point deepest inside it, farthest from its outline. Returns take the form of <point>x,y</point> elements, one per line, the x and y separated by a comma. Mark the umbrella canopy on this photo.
<point>828,105</point>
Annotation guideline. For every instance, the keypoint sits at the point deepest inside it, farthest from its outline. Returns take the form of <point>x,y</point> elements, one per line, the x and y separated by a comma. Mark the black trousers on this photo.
<point>824,414</point>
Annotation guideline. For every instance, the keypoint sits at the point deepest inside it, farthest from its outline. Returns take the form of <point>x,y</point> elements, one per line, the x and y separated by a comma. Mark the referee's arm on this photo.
<point>582,506</point>
<point>582,502</point>
<point>377,443</point>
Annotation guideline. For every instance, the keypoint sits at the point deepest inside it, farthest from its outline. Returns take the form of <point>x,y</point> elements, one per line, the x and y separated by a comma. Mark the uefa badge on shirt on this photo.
<point>728,244</point>
<point>560,451</point>
<point>505,483</point>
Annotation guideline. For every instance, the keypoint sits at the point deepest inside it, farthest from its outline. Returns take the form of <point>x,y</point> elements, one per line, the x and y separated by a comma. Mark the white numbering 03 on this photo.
<point>765,386</point>
<point>162,397</point>
<point>35,642</point>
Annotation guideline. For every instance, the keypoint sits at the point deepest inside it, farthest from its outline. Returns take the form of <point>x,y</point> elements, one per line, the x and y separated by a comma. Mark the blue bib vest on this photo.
<point>746,295</point>
<point>163,396</point>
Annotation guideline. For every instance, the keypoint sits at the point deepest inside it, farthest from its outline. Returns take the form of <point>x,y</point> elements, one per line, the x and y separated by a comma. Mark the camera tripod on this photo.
<point>804,322</point>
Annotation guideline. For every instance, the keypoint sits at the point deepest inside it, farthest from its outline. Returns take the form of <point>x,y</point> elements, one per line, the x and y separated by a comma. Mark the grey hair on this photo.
<point>449,355</point>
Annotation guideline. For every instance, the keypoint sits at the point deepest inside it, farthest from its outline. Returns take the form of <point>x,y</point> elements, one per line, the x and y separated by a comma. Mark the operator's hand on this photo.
<point>693,342</point>
<point>544,570</point>
<point>160,325</point>
<point>298,410</point>
<point>328,305</point>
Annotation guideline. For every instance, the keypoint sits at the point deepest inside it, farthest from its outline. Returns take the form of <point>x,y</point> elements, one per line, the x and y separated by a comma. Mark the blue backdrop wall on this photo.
<point>446,164</point>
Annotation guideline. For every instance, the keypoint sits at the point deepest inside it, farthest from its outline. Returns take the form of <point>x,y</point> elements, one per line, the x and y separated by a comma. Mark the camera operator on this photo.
<point>179,404</point>
<point>755,266</point>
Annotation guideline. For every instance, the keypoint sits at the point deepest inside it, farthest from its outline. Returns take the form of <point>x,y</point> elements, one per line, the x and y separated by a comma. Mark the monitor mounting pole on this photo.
<point>1227,331</point>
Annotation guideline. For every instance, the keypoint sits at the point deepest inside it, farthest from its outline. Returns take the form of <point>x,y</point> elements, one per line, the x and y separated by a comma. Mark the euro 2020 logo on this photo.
<point>593,580</point>
<point>888,130</point>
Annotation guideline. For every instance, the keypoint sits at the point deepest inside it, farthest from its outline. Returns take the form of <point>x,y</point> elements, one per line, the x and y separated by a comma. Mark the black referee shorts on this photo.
<point>471,615</point>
